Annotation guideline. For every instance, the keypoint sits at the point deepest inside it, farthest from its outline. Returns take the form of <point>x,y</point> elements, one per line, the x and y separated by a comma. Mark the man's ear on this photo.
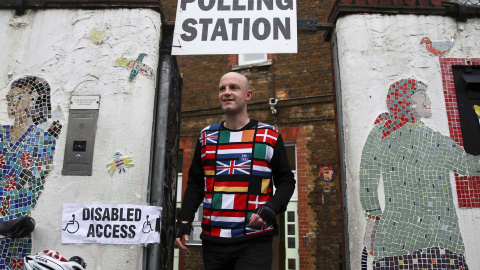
<point>249,94</point>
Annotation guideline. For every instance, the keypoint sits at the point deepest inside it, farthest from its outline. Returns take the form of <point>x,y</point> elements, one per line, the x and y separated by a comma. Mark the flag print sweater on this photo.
<point>233,173</point>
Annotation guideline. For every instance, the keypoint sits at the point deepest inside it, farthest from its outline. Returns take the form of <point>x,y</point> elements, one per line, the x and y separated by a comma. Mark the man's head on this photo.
<point>407,100</point>
<point>420,102</point>
<point>31,94</point>
<point>234,92</point>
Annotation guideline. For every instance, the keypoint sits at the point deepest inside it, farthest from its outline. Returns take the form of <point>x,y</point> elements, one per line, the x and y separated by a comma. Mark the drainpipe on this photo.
<point>338,95</point>
<point>152,254</point>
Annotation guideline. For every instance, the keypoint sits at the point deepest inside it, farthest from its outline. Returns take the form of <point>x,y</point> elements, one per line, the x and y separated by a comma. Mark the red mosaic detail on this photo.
<point>26,160</point>
<point>10,185</point>
<point>468,188</point>
<point>17,264</point>
<point>5,206</point>
<point>398,103</point>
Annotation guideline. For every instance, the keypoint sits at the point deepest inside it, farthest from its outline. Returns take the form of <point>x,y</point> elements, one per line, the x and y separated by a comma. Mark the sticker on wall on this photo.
<point>438,48</point>
<point>119,163</point>
<point>326,173</point>
<point>419,219</point>
<point>110,224</point>
<point>137,67</point>
<point>99,35</point>
<point>27,149</point>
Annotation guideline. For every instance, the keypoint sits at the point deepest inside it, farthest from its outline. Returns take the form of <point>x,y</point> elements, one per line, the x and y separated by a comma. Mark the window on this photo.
<point>467,88</point>
<point>179,175</point>
<point>251,58</point>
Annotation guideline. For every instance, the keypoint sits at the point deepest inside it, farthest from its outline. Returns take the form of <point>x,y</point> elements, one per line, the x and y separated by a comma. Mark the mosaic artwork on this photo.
<point>26,158</point>
<point>438,48</point>
<point>468,187</point>
<point>418,228</point>
<point>98,36</point>
<point>119,163</point>
<point>137,67</point>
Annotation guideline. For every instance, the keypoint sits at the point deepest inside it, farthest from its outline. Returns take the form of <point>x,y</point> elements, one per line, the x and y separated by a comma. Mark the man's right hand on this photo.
<point>182,234</point>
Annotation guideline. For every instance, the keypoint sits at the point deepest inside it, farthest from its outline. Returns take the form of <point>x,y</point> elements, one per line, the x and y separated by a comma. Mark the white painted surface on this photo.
<point>54,45</point>
<point>375,51</point>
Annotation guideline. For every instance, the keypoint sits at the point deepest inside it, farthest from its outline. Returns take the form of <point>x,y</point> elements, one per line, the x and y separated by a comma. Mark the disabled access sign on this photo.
<point>110,224</point>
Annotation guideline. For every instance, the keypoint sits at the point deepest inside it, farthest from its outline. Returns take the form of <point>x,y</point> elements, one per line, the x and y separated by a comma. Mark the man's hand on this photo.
<point>182,234</point>
<point>263,216</point>
<point>370,233</point>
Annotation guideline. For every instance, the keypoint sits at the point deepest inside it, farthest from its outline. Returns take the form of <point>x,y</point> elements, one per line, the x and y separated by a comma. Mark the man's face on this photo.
<point>420,104</point>
<point>233,95</point>
<point>18,102</point>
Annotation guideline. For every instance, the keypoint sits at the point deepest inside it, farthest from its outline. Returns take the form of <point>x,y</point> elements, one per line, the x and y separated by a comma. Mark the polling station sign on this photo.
<point>235,27</point>
<point>110,224</point>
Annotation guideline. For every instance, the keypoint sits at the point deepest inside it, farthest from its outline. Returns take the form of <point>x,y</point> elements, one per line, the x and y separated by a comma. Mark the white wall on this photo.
<point>55,45</point>
<point>374,52</point>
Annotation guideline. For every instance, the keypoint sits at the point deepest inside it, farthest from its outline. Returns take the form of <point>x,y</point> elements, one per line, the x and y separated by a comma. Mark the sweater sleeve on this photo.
<point>283,177</point>
<point>194,192</point>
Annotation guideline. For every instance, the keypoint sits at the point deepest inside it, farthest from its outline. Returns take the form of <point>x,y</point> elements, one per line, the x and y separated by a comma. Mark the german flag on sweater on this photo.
<point>237,179</point>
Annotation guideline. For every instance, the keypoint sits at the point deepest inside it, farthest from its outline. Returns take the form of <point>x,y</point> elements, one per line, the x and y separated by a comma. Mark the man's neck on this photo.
<point>235,122</point>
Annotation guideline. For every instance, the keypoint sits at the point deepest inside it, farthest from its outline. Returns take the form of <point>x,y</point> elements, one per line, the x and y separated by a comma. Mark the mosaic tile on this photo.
<point>26,158</point>
<point>100,34</point>
<point>119,163</point>
<point>438,48</point>
<point>426,258</point>
<point>137,67</point>
<point>414,162</point>
<point>468,187</point>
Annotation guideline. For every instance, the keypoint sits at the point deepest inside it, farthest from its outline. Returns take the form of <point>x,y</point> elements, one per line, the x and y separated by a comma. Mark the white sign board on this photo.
<point>110,224</point>
<point>85,102</point>
<point>235,27</point>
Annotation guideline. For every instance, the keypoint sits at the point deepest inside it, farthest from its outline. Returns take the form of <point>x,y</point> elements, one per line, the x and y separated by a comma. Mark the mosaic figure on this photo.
<point>438,48</point>
<point>137,67</point>
<point>119,163</point>
<point>418,227</point>
<point>26,153</point>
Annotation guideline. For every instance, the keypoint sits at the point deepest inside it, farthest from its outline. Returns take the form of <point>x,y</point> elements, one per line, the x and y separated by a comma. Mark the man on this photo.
<point>234,167</point>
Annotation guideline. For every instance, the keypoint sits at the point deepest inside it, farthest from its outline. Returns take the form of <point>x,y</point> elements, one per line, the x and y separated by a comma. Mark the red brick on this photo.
<point>385,2</point>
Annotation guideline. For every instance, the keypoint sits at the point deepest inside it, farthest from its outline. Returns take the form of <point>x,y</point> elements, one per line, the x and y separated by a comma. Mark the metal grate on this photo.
<point>466,2</point>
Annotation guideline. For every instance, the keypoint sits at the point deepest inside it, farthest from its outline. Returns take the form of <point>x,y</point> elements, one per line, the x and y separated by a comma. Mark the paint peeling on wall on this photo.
<point>418,227</point>
<point>26,158</point>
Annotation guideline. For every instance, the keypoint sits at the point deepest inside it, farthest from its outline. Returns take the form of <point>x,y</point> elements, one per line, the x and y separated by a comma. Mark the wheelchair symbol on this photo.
<point>74,223</point>
<point>147,226</point>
